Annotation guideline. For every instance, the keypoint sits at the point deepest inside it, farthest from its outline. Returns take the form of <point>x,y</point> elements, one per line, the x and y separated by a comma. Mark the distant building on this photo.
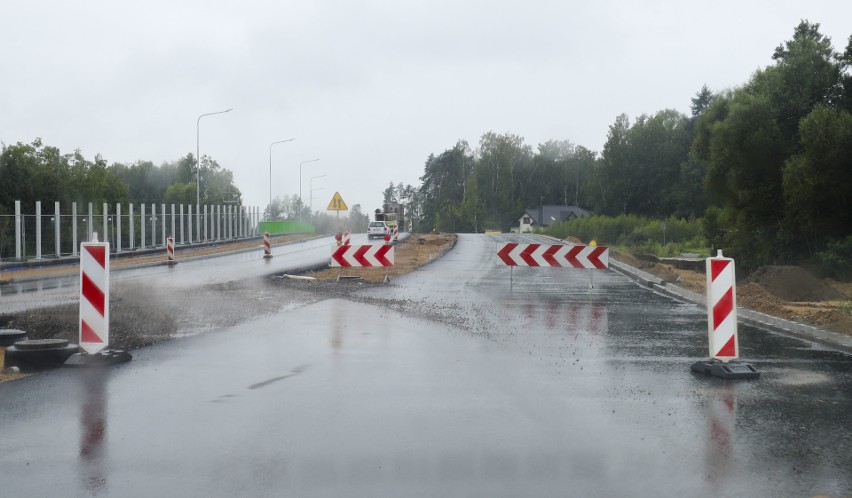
<point>548,215</point>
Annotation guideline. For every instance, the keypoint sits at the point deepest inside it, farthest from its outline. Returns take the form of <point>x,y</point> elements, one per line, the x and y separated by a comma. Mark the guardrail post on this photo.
<point>56,218</point>
<point>132,229</point>
<point>142,217</point>
<point>105,215</point>
<point>117,227</point>
<point>74,229</point>
<point>90,227</point>
<point>163,230</point>
<point>18,230</point>
<point>153,225</point>
<point>38,230</point>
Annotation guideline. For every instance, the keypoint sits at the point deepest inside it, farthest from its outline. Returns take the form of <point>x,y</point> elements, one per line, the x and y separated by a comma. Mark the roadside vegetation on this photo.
<point>762,171</point>
<point>662,238</point>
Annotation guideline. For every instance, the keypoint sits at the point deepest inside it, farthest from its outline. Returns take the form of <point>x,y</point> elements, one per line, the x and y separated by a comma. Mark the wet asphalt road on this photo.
<point>444,383</point>
<point>187,274</point>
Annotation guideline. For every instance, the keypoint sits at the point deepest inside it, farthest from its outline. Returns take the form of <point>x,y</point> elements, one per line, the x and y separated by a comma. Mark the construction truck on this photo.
<point>393,214</point>
<point>390,218</point>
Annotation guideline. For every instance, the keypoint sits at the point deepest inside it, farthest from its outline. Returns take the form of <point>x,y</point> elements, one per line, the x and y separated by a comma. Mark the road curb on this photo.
<point>754,318</point>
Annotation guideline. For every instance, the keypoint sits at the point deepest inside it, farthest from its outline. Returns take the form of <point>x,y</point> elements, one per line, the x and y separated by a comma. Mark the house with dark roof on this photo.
<point>548,215</point>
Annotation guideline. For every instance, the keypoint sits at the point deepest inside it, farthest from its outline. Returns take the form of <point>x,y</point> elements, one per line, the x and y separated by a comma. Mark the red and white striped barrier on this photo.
<point>267,246</point>
<point>94,295</point>
<point>346,238</point>
<point>170,250</point>
<point>555,255</point>
<point>396,232</point>
<point>366,255</point>
<point>722,324</point>
<point>722,308</point>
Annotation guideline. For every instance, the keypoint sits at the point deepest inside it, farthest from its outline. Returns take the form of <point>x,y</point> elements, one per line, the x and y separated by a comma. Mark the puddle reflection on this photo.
<point>721,426</point>
<point>93,430</point>
<point>572,318</point>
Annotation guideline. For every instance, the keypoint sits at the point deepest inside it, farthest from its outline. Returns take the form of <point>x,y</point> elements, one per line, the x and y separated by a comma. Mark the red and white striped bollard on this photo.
<point>94,295</point>
<point>94,308</point>
<point>722,308</point>
<point>267,246</point>
<point>722,323</point>
<point>170,250</point>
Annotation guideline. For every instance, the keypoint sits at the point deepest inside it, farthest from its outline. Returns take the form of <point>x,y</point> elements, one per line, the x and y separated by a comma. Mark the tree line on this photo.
<point>766,166</point>
<point>38,172</point>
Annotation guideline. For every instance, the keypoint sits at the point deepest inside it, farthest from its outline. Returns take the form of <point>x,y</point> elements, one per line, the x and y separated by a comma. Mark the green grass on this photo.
<point>630,233</point>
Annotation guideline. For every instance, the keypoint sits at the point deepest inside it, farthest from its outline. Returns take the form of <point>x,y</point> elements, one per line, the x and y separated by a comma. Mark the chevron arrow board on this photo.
<point>555,255</point>
<point>366,255</point>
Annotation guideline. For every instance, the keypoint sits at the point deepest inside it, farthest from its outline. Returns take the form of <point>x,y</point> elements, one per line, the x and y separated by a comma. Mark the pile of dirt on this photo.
<point>668,274</point>
<point>754,297</point>
<point>630,259</point>
<point>792,283</point>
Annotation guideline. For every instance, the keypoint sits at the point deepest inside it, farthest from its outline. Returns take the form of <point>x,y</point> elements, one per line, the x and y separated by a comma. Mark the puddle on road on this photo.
<point>794,377</point>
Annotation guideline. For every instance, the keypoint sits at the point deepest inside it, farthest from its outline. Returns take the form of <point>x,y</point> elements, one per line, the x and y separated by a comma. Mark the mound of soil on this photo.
<point>756,298</point>
<point>792,283</point>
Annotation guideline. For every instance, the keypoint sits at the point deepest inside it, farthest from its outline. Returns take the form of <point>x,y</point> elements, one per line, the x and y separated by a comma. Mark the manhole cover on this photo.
<point>10,336</point>
<point>41,344</point>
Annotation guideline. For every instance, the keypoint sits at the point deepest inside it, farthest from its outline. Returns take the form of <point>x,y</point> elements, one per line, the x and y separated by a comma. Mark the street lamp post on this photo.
<point>300,185</point>
<point>270,170</point>
<point>198,171</point>
<point>311,183</point>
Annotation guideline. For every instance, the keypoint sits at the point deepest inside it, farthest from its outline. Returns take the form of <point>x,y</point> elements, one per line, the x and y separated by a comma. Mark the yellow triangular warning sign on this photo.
<point>337,203</point>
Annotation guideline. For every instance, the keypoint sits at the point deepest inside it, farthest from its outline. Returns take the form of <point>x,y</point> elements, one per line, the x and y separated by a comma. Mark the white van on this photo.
<point>377,229</point>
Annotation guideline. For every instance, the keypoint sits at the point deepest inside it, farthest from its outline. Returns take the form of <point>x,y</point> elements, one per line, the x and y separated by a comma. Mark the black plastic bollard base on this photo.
<point>729,370</point>
<point>100,359</point>
<point>8,337</point>
<point>39,354</point>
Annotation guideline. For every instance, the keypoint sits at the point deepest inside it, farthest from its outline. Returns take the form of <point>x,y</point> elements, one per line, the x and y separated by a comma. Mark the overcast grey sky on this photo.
<point>371,87</point>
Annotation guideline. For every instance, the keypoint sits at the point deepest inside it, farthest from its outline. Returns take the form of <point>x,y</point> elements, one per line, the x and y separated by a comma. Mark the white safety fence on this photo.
<point>54,230</point>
